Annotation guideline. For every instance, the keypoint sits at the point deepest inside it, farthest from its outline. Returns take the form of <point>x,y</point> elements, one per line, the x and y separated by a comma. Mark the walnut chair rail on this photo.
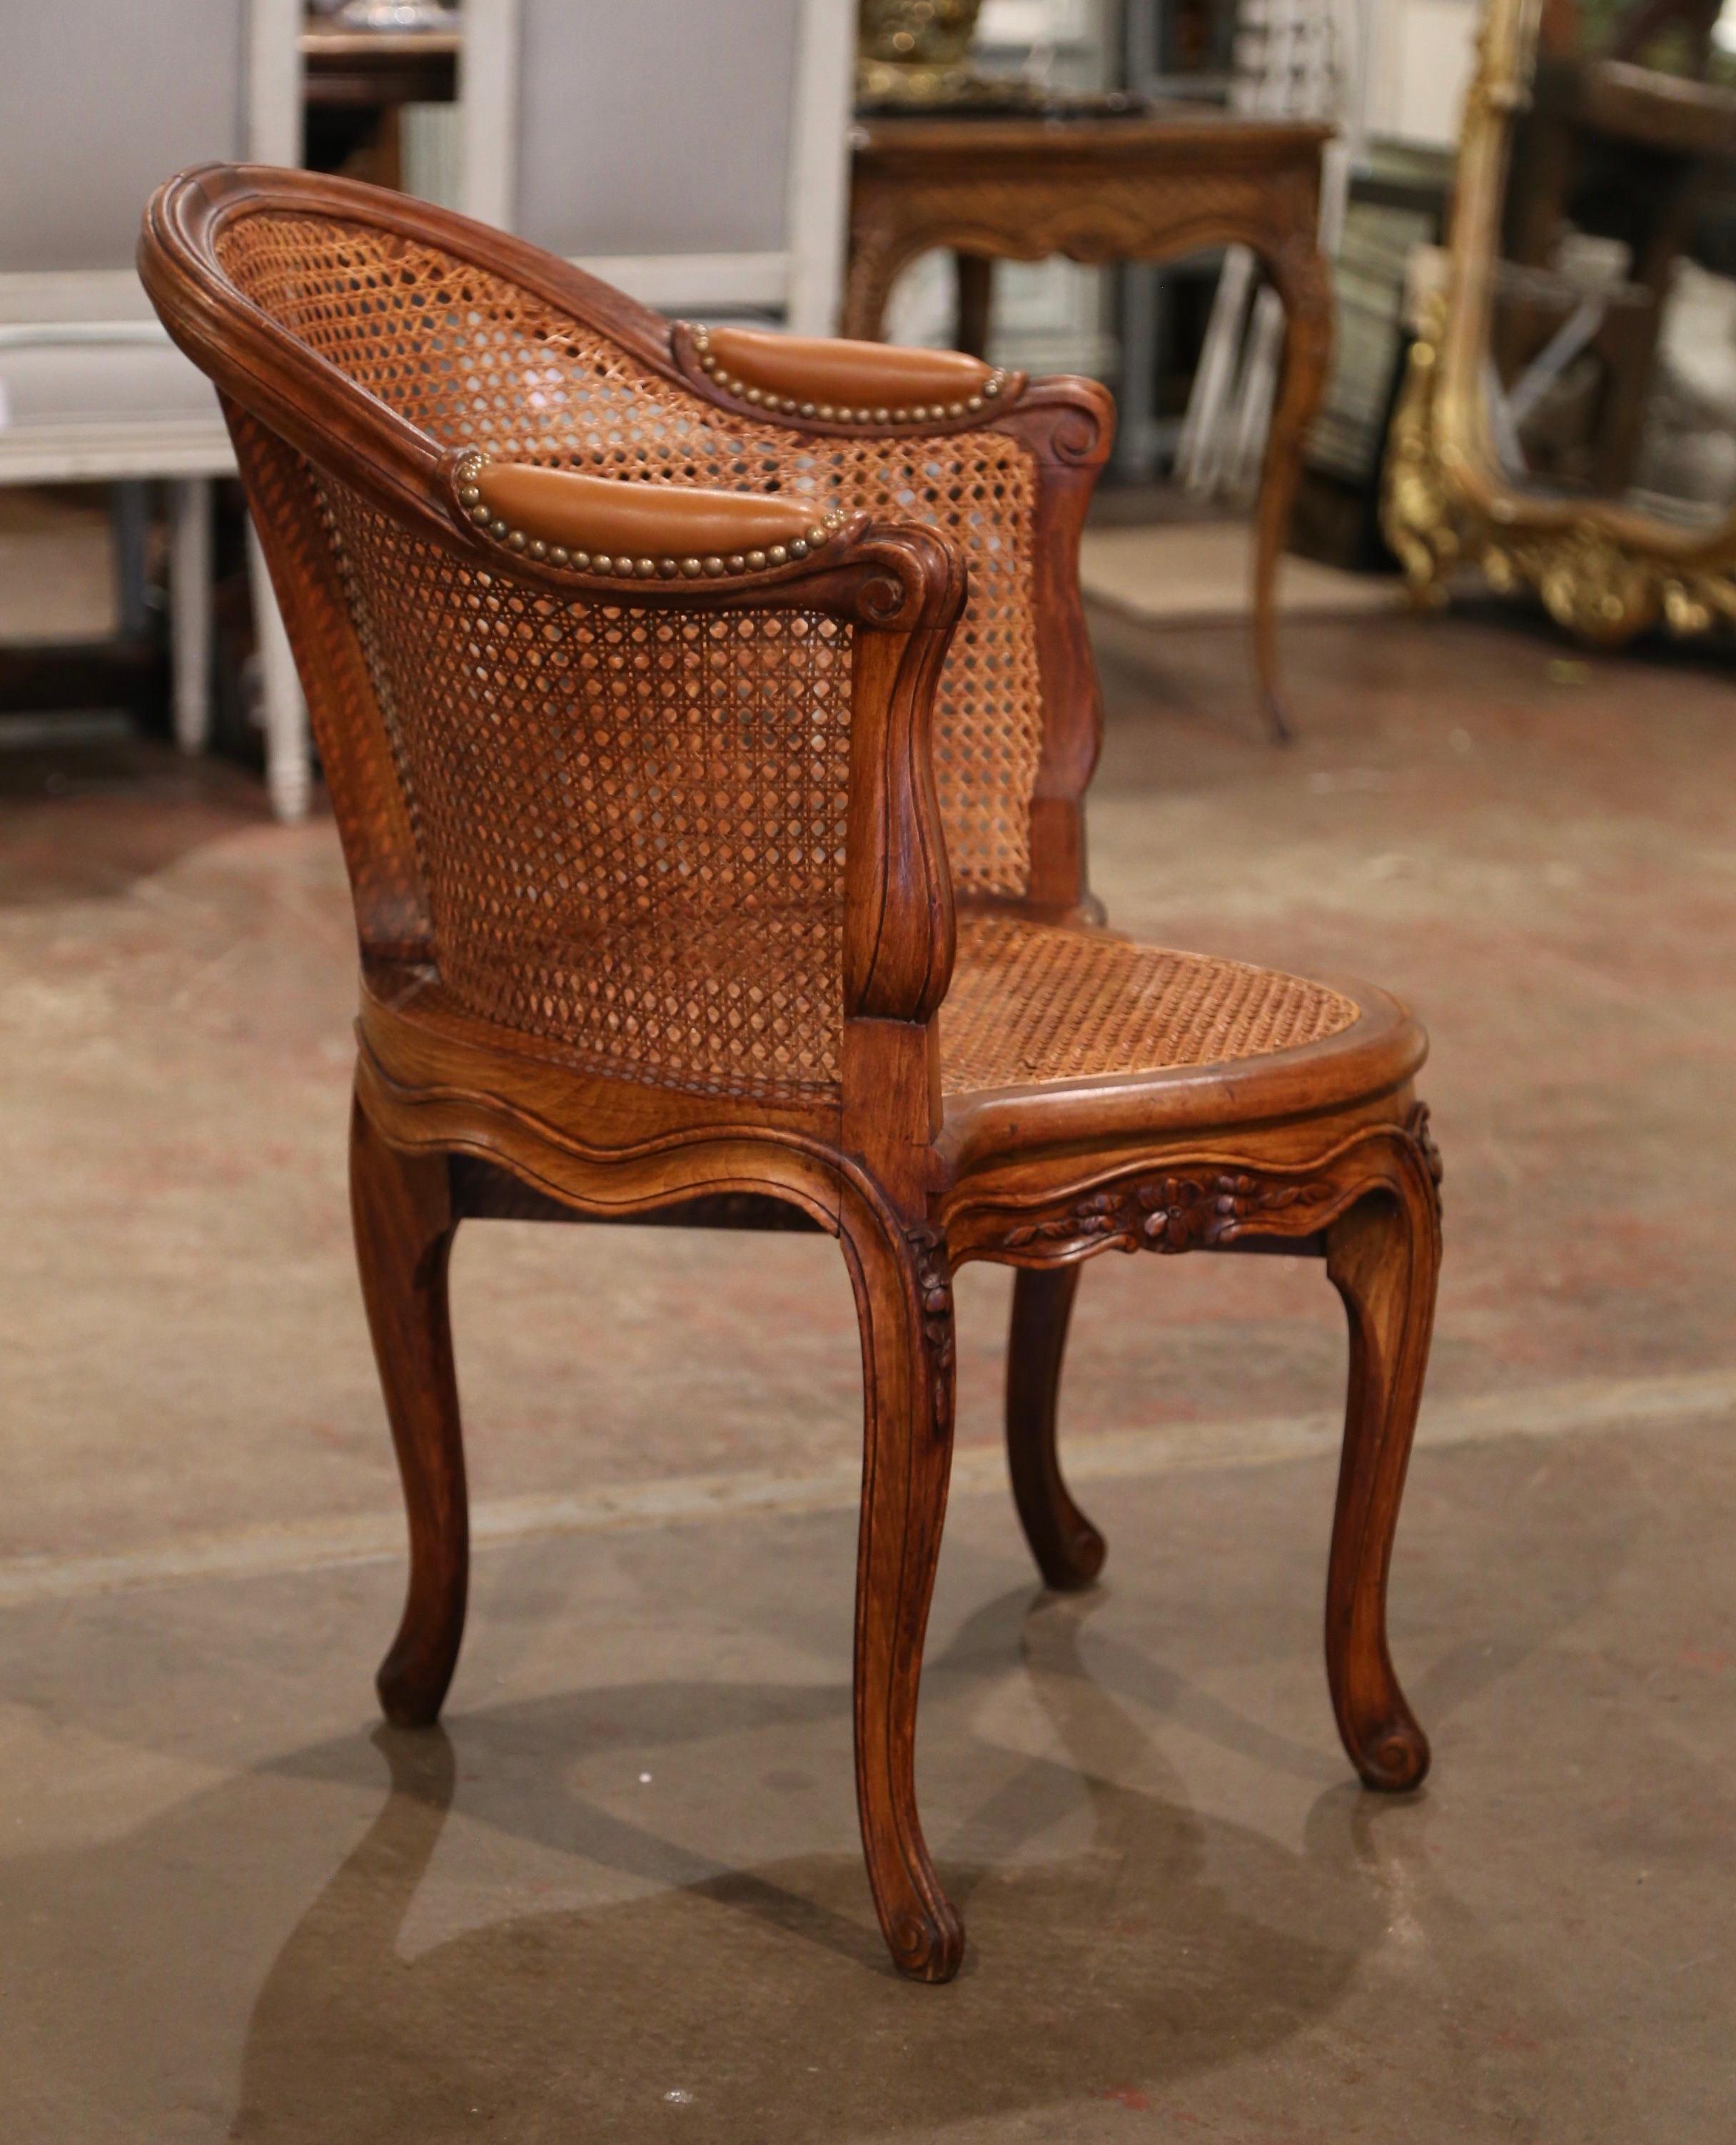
<point>708,718</point>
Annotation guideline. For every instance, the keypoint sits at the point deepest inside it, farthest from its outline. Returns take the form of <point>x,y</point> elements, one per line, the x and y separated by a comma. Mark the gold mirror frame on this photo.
<point>1604,570</point>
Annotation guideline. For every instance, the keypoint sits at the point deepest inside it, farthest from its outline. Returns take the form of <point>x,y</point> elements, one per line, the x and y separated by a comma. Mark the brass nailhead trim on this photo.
<point>762,398</point>
<point>472,465</point>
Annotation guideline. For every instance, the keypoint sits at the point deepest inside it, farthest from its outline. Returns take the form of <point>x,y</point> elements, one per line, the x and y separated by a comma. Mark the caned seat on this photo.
<point>707,718</point>
<point>1031,1004</point>
<point>1053,1032</point>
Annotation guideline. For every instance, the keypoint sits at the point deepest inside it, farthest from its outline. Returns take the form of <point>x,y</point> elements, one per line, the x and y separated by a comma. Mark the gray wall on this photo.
<point>100,102</point>
<point>655,127</point>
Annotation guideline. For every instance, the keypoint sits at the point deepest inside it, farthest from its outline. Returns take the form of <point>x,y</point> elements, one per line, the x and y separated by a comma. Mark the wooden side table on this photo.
<point>1147,188</point>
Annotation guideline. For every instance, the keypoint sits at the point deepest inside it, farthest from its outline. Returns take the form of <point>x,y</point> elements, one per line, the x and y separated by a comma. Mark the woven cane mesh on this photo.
<point>367,793</point>
<point>631,823</point>
<point>474,360</point>
<point>1033,1003</point>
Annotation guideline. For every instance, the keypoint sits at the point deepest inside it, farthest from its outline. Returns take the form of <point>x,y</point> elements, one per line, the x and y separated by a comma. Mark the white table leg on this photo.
<point>190,609</point>
<point>289,773</point>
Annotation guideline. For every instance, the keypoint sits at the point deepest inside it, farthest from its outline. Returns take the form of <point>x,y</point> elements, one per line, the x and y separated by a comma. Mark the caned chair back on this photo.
<point>620,829</point>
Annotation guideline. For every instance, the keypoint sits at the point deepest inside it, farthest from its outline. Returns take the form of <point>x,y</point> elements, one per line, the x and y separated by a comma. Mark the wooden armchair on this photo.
<point>707,719</point>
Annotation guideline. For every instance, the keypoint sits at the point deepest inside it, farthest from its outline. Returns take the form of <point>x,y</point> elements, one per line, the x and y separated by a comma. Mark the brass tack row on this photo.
<point>786,405</point>
<point>470,497</point>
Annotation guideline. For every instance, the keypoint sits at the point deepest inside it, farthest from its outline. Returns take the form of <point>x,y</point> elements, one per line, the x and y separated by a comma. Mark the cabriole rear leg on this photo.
<point>1068,1548</point>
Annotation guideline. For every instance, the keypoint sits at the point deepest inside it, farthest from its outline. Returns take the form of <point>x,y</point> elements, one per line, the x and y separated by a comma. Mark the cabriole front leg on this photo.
<point>401,1204</point>
<point>904,1300</point>
<point>1384,1255</point>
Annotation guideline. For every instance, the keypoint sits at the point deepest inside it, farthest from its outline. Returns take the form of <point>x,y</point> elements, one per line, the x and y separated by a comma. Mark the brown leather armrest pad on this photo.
<point>600,515</point>
<point>825,371</point>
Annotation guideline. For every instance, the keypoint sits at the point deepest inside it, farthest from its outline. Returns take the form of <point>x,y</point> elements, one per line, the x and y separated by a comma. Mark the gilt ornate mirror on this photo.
<point>1568,419</point>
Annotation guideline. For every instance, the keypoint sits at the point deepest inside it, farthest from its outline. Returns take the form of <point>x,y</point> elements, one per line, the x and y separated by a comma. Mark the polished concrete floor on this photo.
<point>620,1897</point>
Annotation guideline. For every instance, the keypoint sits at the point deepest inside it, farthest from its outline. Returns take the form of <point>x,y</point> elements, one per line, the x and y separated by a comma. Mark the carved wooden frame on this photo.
<point>1321,1146</point>
<point>1603,570</point>
<point>1194,1200</point>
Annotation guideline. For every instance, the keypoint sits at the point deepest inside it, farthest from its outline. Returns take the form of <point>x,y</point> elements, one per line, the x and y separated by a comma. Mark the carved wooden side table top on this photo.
<point>1151,187</point>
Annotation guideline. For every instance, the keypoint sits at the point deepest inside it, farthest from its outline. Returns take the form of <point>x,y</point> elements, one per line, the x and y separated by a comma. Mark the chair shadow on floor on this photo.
<point>758,2004</point>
